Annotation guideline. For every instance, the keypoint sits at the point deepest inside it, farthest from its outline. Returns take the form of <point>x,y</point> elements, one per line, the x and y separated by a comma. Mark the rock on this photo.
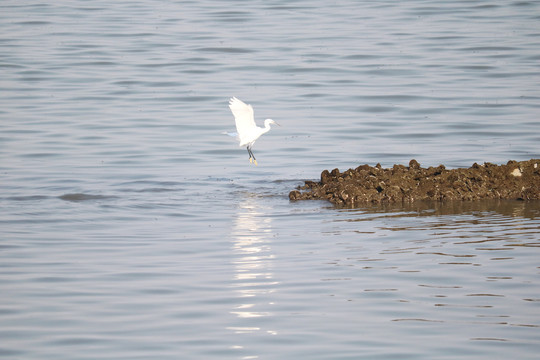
<point>294,195</point>
<point>366,184</point>
<point>325,177</point>
<point>413,164</point>
<point>516,172</point>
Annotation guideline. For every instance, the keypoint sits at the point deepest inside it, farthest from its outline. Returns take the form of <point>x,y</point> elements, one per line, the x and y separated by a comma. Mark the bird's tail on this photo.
<point>233,134</point>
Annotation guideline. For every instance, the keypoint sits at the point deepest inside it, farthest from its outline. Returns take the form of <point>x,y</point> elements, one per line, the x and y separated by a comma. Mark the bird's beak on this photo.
<point>276,123</point>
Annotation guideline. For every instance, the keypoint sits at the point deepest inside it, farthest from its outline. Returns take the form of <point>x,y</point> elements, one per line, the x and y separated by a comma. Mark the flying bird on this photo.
<point>247,131</point>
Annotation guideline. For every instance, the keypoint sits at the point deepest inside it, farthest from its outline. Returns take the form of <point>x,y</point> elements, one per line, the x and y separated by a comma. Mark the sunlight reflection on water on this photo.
<point>131,227</point>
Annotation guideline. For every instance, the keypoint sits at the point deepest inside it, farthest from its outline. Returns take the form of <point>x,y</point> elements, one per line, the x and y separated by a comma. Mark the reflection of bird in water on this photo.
<point>247,130</point>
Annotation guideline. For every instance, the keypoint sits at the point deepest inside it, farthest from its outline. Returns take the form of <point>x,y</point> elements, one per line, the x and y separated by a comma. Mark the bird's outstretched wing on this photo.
<point>243,116</point>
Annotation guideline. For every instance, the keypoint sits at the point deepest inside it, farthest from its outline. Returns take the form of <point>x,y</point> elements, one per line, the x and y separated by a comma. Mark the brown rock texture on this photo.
<point>367,184</point>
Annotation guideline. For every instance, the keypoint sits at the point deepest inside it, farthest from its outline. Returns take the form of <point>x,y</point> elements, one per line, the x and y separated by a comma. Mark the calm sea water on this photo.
<point>131,228</point>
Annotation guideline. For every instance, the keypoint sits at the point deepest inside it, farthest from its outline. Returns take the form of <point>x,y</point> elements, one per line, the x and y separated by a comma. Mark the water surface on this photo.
<point>131,228</point>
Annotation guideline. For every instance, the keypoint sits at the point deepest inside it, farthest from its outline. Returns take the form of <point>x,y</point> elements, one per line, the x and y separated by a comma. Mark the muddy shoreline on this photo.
<point>374,184</point>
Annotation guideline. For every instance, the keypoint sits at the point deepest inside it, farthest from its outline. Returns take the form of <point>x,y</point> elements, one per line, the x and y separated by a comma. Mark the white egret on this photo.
<point>247,130</point>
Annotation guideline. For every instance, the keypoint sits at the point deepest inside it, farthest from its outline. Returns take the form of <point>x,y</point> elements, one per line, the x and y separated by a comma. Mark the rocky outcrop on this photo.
<point>367,184</point>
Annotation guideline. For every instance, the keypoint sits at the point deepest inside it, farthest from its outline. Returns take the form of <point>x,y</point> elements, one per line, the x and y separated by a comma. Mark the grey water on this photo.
<point>132,228</point>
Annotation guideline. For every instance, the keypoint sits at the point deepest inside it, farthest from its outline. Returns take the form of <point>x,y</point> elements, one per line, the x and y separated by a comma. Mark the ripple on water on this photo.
<point>130,225</point>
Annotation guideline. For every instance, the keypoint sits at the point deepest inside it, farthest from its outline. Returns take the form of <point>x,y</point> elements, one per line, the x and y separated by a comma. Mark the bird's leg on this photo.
<point>250,155</point>
<point>254,160</point>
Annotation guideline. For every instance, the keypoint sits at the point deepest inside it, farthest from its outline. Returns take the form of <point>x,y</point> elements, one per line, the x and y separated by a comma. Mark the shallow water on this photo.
<point>132,228</point>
